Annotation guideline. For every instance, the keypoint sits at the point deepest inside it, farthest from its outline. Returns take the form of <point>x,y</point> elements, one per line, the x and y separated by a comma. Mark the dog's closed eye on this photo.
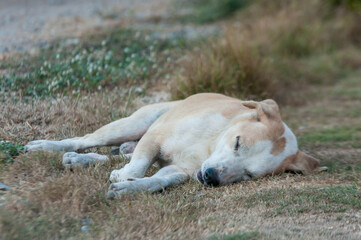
<point>236,144</point>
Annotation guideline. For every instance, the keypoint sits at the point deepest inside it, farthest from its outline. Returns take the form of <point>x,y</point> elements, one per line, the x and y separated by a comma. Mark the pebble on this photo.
<point>3,187</point>
<point>85,228</point>
<point>85,222</point>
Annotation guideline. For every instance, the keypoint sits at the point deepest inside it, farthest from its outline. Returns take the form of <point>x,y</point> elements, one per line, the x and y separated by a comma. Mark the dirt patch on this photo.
<point>26,25</point>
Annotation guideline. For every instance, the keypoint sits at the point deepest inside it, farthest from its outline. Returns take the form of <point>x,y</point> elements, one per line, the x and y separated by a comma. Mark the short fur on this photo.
<point>237,140</point>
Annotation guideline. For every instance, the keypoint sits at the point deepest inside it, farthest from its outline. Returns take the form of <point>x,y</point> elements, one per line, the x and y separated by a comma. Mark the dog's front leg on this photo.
<point>135,169</point>
<point>165,177</point>
<point>143,157</point>
<point>127,129</point>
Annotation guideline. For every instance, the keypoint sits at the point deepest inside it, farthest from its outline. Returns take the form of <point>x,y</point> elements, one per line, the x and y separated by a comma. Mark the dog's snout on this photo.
<point>211,177</point>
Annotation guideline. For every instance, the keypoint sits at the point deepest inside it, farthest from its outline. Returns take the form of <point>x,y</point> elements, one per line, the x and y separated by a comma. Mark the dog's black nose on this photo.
<point>211,177</point>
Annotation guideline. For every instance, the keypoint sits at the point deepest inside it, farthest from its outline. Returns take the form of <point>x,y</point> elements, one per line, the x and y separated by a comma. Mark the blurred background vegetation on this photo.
<point>267,49</point>
<point>274,48</point>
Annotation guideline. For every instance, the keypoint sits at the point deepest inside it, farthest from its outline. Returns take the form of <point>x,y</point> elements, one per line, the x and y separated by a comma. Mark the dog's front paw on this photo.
<point>121,175</point>
<point>117,189</point>
<point>127,187</point>
<point>117,176</point>
<point>39,145</point>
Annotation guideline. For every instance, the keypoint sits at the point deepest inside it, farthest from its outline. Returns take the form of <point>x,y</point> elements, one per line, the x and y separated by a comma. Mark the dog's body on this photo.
<point>213,138</point>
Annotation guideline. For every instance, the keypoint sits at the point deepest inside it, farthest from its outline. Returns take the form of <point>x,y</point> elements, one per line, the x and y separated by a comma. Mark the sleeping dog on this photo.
<point>212,138</point>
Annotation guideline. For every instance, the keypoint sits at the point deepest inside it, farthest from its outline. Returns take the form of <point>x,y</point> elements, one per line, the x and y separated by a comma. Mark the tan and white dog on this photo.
<point>213,138</point>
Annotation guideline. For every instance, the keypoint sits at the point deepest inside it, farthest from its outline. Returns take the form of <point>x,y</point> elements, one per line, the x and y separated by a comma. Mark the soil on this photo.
<point>25,25</point>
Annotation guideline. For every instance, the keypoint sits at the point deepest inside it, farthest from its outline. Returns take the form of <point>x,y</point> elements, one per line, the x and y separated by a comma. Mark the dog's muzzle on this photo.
<point>209,177</point>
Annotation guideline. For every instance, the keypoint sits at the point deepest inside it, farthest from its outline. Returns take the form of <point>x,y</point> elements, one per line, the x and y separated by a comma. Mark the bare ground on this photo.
<point>27,25</point>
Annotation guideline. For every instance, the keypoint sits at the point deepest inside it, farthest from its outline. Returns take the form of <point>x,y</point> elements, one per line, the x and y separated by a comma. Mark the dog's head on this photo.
<point>255,144</point>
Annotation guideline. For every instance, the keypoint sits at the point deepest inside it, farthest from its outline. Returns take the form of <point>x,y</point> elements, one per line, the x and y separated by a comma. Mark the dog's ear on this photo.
<point>303,163</point>
<point>300,163</point>
<point>267,109</point>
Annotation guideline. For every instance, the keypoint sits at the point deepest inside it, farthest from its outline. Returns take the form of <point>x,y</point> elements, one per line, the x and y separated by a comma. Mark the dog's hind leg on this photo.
<point>127,129</point>
<point>73,159</point>
<point>125,149</point>
<point>165,177</point>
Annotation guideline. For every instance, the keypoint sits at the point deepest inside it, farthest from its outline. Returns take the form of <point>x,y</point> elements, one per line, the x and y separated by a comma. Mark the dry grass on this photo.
<point>23,120</point>
<point>49,202</point>
<point>226,67</point>
<point>53,203</point>
<point>272,49</point>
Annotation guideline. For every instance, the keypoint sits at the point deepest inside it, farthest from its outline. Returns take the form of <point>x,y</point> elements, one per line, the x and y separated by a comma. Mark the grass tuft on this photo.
<point>9,150</point>
<point>232,69</point>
